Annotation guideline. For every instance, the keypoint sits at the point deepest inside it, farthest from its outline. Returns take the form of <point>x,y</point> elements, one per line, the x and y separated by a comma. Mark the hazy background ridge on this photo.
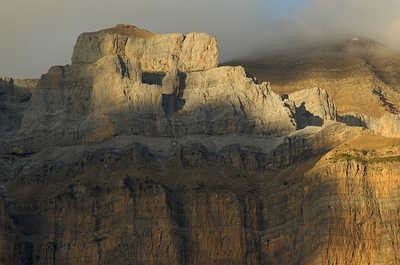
<point>38,34</point>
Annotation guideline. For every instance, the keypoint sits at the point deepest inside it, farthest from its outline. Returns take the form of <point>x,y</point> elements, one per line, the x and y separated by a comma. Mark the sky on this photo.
<point>38,34</point>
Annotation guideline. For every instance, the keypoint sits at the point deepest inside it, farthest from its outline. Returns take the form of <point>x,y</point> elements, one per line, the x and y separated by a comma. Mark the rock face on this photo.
<point>144,151</point>
<point>388,125</point>
<point>247,108</point>
<point>132,214</point>
<point>313,107</point>
<point>14,98</point>
<point>359,74</point>
<point>371,174</point>
<point>9,251</point>
<point>154,53</point>
<point>125,80</point>
<point>110,203</point>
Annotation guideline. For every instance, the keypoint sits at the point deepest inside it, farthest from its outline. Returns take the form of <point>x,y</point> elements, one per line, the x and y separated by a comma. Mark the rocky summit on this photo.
<point>145,151</point>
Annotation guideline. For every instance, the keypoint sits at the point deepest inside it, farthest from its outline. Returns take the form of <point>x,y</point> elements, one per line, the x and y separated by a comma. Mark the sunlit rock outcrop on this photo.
<point>144,151</point>
<point>313,107</point>
<point>125,80</point>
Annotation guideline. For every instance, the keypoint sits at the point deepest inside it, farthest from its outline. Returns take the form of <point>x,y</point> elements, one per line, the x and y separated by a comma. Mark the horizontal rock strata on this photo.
<point>144,151</point>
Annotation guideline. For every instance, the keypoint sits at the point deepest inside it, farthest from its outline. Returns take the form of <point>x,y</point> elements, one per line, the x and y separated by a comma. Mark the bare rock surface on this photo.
<point>361,76</point>
<point>246,108</point>
<point>388,125</point>
<point>14,99</point>
<point>155,53</point>
<point>125,80</point>
<point>144,151</point>
<point>313,107</point>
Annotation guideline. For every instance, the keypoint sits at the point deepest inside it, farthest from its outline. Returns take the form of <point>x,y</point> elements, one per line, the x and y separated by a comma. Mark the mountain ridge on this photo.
<point>145,151</point>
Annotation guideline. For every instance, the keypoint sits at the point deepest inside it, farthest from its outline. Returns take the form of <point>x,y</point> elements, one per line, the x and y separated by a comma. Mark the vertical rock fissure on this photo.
<point>97,240</point>
<point>244,223</point>
<point>124,67</point>
<point>26,253</point>
<point>251,222</point>
<point>56,236</point>
<point>177,212</point>
<point>98,252</point>
<point>173,102</point>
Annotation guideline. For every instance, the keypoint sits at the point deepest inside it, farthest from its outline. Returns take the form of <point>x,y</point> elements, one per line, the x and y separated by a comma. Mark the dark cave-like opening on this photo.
<point>152,78</point>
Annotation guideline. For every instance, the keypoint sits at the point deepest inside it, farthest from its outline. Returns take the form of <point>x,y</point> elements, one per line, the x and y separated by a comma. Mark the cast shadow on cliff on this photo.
<point>351,120</point>
<point>13,101</point>
<point>172,103</point>
<point>305,118</point>
<point>278,218</point>
<point>13,93</point>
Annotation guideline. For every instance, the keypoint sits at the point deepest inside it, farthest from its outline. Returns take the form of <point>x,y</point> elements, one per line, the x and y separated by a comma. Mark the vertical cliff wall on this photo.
<point>144,151</point>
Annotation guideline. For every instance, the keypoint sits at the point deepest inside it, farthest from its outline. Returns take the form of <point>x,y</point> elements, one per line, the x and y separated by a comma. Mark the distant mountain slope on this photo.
<point>361,75</point>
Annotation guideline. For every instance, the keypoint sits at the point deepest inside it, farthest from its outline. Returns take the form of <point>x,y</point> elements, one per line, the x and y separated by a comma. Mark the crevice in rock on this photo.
<point>389,106</point>
<point>124,68</point>
<point>182,84</point>
<point>26,253</point>
<point>152,78</point>
<point>178,216</point>
<point>98,240</point>
<point>284,97</point>
<point>242,107</point>
<point>174,102</point>
<point>252,219</point>
<point>253,78</point>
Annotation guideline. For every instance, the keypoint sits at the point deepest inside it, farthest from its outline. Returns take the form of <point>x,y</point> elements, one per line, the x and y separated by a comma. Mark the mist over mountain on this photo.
<point>144,150</point>
<point>41,33</point>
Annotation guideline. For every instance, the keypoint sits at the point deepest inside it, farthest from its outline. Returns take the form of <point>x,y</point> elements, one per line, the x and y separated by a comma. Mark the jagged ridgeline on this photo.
<point>126,80</point>
<point>144,151</point>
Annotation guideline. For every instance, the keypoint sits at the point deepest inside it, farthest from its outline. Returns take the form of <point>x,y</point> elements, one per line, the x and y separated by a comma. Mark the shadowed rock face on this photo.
<point>143,151</point>
<point>14,98</point>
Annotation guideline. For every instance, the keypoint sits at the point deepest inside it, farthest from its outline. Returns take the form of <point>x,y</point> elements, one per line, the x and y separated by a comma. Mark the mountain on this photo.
<point>361,76</point>
<point>144,151</point>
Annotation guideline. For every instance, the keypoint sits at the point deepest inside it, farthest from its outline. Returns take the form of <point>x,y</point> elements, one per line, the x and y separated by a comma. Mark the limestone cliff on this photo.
<point>144,151</point>
<point>119,202</point>
<point>361,76</point>
<point>155,53</point>
<point>128,81</point>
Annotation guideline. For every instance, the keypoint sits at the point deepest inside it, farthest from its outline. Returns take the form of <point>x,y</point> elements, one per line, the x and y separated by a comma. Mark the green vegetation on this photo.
<point>389,159</point>
<point>363,159</point>
<point>349,157</point>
